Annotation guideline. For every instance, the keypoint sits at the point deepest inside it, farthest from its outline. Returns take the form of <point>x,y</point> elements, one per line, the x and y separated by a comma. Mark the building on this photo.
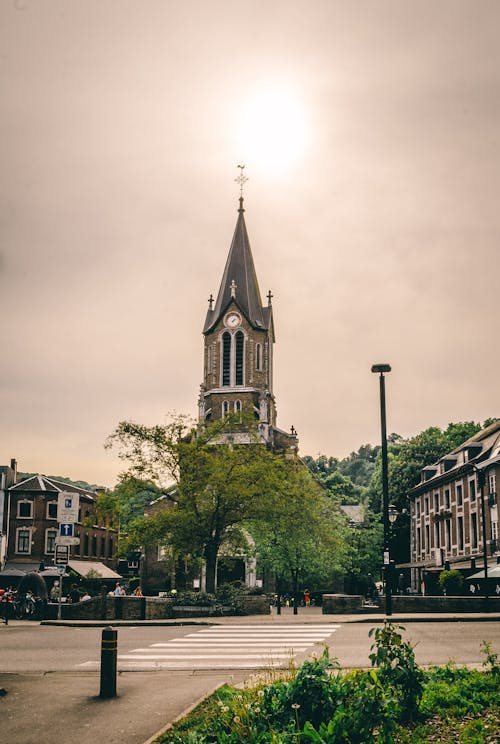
<point>30,526</point>
<point>238,344</point>
<point>238,348</point>
<point>446,510</point>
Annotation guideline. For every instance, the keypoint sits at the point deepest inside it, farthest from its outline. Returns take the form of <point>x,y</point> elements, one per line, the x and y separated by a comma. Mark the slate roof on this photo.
<point>240,268</point>
<point>42,483</point>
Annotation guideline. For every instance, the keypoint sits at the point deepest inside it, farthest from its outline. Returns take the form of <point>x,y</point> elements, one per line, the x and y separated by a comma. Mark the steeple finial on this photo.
<point>269,298</point>
<point>241,179</point>
<point>210,302</point>
<point>232,287</point>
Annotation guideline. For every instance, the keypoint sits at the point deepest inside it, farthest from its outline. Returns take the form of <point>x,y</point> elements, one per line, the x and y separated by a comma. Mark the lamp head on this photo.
<point>393,513</point>
<point>381,368</point>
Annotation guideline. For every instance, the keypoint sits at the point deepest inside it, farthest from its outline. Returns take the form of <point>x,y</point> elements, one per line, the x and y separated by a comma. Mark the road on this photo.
<point>51,674</point>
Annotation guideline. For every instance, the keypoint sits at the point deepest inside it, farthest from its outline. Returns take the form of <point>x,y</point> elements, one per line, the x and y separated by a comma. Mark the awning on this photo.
<point>99,570</point>
<point>493,573</point>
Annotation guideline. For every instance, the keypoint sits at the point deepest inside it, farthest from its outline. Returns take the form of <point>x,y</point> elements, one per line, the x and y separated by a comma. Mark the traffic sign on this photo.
<point>67,541</point>
<point>61,557</point>
<point>67,506</point>
<point>66,529</point>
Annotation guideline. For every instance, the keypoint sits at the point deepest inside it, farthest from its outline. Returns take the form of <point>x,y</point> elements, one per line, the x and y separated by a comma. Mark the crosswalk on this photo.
<point>227,647</point>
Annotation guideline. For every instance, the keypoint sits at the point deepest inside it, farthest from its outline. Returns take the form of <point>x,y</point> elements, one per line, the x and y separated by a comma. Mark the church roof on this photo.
<point>239,282</point>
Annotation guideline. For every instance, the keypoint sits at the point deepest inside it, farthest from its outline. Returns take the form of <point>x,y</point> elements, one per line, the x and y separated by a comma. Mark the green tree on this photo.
<point>220,484</point>
<point>303,540</point>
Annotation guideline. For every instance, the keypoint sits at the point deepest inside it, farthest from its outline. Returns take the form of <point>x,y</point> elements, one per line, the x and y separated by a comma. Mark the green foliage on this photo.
<point>451,582</point>
<point>319,704</point>
<point>398,669</point>
<point>219,485</point>
<point>303,540</point>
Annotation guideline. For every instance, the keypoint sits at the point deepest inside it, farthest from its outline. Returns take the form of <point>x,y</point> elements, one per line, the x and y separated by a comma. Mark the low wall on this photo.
<point>344,604</point>
<point>144,608</point>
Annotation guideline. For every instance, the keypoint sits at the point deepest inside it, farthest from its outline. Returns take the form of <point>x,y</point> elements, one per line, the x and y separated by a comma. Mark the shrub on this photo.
<point>451,582</point>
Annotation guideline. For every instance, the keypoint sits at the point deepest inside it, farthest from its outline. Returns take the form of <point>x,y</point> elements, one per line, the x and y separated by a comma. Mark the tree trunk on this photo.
<point>210,569</point>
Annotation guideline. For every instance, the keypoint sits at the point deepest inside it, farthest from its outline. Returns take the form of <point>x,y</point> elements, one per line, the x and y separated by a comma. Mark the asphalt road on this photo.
<point>52,691</point>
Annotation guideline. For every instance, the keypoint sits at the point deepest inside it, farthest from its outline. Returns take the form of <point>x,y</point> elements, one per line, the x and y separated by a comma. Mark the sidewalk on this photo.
<point>304,616</point>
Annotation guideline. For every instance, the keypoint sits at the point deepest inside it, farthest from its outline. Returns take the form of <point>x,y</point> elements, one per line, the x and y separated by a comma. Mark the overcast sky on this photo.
<point>370,133</point>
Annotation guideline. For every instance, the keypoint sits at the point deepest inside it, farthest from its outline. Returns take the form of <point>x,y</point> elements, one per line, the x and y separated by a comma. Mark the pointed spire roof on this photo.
<point>239,282</point>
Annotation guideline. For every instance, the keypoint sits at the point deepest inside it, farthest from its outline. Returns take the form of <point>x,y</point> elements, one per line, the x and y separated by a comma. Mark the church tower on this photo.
<point>238,347</point>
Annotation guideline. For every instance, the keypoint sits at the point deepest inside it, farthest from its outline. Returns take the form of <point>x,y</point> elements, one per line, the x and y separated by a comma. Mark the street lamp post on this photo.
<point>380,369</point>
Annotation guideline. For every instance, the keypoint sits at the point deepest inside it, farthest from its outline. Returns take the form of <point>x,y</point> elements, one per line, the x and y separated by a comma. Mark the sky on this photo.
<point>370,134</point>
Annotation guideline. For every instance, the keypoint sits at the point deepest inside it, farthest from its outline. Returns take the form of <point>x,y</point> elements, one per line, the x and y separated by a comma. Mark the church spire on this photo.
<point>239,281</point>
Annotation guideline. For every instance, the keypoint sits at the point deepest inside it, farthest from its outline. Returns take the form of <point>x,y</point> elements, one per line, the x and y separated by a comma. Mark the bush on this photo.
<point>451,582</point>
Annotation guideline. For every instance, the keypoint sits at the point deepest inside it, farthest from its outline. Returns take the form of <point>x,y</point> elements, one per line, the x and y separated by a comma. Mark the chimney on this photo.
<point>13,465</point>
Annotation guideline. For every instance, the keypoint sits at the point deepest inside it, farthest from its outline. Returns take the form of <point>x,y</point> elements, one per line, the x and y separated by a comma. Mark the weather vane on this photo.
<point>241,179</point>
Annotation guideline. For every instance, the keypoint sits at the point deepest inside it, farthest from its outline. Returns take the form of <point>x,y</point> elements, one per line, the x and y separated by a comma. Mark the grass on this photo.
<point>396,702</point>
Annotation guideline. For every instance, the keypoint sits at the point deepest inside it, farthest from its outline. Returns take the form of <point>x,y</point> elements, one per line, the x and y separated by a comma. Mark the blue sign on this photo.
<point>66,529</point>
<point>68,503</point>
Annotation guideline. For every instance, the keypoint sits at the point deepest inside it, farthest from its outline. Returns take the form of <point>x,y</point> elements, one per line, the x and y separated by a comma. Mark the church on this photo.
<point>238,348</point>
<point>238,344</point>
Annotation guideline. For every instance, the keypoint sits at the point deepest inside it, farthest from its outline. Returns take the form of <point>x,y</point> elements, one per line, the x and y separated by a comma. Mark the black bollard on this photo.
<point>109,650</point>
<point>278,605</point>
<point>295,608</point>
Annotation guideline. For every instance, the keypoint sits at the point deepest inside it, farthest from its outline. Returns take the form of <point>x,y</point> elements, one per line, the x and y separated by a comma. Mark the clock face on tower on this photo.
<point>232,320</point>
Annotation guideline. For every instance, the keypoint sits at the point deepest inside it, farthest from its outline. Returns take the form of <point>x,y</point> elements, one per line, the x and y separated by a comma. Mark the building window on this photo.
<point>473,530</point>
<point>24,509</point>
<point>209,359</point>
<point>493,484</point>
<point>52,510</point>
<point>225,407</point>
<point>110,548</point>
<point>427,539</point>
<point>240,345</point>
<point>237,406</point>
<point>472,489</point>
<point>446,498</point>
<point>23,540</point>
<point>426,506</point>
<point>460,533</point>
<point>258,357</point>
<point>460,494</point>
<point>437,536</point>
<point>226,358</point>
<point>447,525</point>
<point>94,545</point>
<point>50,541</point>
<point>417,504</point>
<point>419,542</point>
<point>85,545</point>
<point>436,502</point>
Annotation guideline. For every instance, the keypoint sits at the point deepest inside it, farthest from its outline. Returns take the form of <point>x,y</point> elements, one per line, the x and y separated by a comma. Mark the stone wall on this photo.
<point>344,604</point>
<point>143,608</point>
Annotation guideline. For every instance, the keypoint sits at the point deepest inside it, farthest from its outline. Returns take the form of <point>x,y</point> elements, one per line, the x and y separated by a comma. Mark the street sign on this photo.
<point>61,556</point>
<point>67,507</point>
<point>66,529</point>
<point>67,541</point>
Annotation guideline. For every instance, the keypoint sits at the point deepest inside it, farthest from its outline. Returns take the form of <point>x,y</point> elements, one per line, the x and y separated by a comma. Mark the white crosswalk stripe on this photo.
<point>227,647</point>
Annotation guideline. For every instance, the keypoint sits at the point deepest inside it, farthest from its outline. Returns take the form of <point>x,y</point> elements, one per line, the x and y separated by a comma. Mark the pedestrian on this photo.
<point>307,597</point>
<point>119,590</point>
<point>54,592</point>
<point>137,592</point>
<point>74,595</point>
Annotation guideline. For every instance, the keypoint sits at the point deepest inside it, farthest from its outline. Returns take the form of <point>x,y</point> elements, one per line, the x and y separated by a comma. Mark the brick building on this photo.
<point>446,510</point>
<point>29,523</point>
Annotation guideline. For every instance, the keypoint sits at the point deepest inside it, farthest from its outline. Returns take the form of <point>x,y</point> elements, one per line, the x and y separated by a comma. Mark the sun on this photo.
<point>273,129</point>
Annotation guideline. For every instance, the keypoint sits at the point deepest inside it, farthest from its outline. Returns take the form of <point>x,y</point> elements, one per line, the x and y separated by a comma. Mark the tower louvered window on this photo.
<point>226,358</point>
<point>239,357</point>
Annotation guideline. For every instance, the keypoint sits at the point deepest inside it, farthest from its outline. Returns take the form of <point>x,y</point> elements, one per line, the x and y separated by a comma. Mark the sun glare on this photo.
<point>273,130</point>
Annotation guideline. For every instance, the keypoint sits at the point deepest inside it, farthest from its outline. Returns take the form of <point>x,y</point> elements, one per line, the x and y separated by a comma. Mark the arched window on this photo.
<point>258,356</point>
<point>225,408</point>
<point>226,358</point>
<point>237,406</point>
<point>240,343</point>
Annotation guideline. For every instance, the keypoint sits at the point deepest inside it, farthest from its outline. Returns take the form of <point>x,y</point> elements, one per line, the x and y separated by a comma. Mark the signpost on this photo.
<point>68,504</point>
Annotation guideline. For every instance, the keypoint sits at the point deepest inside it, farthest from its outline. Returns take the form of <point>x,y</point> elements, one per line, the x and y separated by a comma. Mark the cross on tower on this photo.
<point>269,297</point>
<point>210,302</point>
<point>241,179</point>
